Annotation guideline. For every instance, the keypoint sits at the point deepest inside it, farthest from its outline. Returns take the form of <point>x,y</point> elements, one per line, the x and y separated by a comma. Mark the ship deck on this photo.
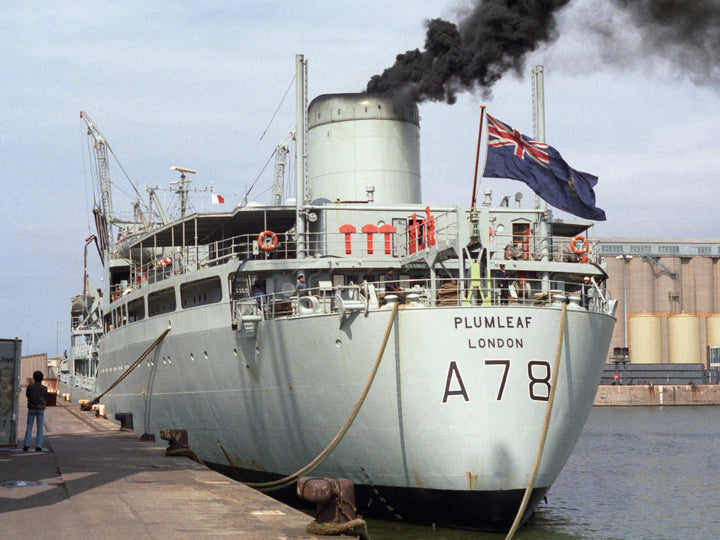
<point>96,481</point>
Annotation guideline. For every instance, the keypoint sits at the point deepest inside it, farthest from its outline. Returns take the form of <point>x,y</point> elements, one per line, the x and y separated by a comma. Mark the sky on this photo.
<point>201,84</point>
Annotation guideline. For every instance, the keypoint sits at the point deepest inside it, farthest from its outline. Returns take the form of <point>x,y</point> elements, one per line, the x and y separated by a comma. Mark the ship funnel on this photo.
<point>363,148</point>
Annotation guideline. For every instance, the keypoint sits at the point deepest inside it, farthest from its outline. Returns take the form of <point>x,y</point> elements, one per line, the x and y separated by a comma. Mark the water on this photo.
<point>636,473</point>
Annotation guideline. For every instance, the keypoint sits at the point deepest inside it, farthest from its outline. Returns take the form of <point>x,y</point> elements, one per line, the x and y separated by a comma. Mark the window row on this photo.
<point>192,294</point>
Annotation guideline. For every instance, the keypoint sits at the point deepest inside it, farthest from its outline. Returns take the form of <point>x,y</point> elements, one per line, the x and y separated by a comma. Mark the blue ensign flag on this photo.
<point>512,155</point>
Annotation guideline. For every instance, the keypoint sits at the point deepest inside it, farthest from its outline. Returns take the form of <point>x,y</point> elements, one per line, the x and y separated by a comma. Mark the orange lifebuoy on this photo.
<point>263,242</point>
<point>583,249</point>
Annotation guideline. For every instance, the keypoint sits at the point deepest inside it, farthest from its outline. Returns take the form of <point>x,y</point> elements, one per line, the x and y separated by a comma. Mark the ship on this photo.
<point>356,314</point>
<point>77,374</point>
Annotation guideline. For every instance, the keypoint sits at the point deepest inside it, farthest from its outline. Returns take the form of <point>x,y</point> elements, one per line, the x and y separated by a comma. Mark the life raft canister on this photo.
<point>267,240</point>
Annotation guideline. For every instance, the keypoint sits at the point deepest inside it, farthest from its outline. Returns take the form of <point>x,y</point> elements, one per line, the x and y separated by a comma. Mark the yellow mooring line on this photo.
<point>546,425</point>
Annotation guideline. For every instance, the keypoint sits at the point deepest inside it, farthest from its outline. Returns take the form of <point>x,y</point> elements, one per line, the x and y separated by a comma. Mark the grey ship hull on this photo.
<point>451,423</point>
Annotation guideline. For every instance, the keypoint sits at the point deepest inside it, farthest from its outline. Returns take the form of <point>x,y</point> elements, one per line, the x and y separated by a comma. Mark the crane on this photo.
<point>104,214</point>
<point>281,153</point>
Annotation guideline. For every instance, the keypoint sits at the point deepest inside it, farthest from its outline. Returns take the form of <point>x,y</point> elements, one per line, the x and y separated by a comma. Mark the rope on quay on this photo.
<point>546,426</point>
<point>286,481</point>
<point>352,526</point>
<point>88,406</point>
<point>356,527</point>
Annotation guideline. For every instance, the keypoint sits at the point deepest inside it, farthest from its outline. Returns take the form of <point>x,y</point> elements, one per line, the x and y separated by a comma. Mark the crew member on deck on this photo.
<point>391,284</point>
<point>585,293</point>
<point>258,292</point>
<point>301,286</point>
<point>503,283</point>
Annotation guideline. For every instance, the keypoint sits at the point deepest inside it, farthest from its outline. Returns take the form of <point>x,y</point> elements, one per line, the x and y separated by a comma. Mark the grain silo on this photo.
<point>641,286</point>
<point>644,338</point>
<point>684,339</point>
<point>667,286</point>
<point>699,285</point>
<point>712,324</point>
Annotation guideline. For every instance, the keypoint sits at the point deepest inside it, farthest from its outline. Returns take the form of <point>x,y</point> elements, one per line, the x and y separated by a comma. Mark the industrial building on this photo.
<point>668,315</point>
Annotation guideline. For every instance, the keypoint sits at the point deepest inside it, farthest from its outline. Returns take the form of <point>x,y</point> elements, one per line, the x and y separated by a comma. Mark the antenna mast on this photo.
<point>182,190</point>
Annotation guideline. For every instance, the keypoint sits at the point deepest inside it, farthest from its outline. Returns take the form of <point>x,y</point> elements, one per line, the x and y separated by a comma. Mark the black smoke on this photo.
<point>685,33</point>
<point>497,35</point>
<point>494,38</point>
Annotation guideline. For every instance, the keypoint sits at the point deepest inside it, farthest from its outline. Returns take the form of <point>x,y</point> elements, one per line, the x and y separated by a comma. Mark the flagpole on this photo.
<point>477,156</point>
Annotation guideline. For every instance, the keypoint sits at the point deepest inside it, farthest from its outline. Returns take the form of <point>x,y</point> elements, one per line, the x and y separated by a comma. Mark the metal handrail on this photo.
<point>245,247</point>
<point>448,292</point>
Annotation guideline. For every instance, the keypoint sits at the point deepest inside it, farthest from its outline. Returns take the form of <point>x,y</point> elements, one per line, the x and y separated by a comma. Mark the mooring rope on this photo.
<point>125,373</point>
<point>356,527</point>
<point>287,480</point>
<point>352,526</point>
<point>546,426</point>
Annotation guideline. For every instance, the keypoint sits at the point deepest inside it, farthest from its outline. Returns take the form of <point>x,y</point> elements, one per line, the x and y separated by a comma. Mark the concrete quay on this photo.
<point>93,480</point>
<point>655,395</point>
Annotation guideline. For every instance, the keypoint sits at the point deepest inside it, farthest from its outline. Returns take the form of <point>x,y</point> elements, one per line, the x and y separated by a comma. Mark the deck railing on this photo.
<point>386,247</point>
<point>342,300</point>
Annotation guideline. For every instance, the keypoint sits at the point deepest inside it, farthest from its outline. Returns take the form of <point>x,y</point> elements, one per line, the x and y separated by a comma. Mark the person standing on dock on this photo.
<point>36,400</point>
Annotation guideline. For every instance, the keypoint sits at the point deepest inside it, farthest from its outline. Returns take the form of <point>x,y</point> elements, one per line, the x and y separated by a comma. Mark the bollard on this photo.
<point>335,501</point>
<point>126,420</point>
<point>178,443</point>
<point>176,437</point>
<point>334,498</point>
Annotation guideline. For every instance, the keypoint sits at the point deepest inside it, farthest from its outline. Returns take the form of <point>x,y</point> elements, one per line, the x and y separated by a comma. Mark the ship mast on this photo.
<point>300,158</point>
<point>182,190</point>
<point>538,87</point>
